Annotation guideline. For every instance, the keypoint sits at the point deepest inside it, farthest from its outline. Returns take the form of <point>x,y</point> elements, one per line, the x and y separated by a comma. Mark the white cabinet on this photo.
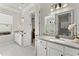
<point>41,48</point>
<point>54,52</point>
<point>54,49</point>
<point>18,38</point>
<point>45,48</point>
<point>71,51</point>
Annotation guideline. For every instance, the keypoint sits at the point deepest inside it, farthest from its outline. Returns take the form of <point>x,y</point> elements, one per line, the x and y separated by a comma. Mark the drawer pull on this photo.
<point>45,48</point>
<point>40,41</point>
<point>22,35</point>
<point>61,54</point>
<point>78,53</point>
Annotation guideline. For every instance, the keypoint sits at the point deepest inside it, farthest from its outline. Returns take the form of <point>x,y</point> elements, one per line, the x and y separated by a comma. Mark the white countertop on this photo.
<point>63,41</point>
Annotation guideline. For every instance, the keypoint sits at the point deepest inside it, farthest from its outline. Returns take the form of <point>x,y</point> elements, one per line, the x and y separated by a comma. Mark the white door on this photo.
<point>53,52</point>
<point>27,30</point>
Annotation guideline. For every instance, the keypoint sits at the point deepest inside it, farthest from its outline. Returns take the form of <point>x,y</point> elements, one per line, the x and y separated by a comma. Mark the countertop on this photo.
<point>61,41</point>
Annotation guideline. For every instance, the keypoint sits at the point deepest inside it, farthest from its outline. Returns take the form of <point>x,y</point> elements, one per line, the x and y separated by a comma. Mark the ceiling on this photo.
<point>17,6</point>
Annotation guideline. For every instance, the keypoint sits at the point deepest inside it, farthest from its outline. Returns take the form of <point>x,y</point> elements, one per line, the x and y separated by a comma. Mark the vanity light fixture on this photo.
<point>58,6</point>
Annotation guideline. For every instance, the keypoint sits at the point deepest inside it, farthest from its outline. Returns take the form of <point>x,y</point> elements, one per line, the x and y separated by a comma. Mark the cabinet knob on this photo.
<point>45,48</point>
<point>78,53</point>
<point>36,35</point>
<point>40,41</point>
<point>22,35</point>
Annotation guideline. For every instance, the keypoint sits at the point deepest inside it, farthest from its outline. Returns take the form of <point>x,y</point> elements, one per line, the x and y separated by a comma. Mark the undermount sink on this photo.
<point>64,40</point>
<point>57,39</point>
<point>61,39</point>
<point>76,40</point>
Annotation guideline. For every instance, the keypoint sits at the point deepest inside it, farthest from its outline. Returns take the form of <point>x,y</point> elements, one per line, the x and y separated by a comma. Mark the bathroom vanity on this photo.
<point>51,46</point>
<point>57,39</point>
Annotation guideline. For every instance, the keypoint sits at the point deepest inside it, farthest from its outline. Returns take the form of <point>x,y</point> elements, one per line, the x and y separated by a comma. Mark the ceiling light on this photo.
<point>20,7</point>
<point>22,20</point>
<point>65,5</point>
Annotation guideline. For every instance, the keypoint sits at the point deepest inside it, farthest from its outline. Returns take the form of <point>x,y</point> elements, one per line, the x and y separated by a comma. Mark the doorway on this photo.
<point>33,29</point>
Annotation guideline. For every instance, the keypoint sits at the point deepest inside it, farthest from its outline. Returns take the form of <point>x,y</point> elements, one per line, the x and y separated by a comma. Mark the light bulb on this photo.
<point>22,20</point>
<point>20,7</point>
<point>65,5</point>
<point>51,9</point>
<point>57,7</point>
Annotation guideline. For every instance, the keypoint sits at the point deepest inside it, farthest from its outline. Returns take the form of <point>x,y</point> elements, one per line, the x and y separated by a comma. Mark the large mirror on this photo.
<point>63,20</point>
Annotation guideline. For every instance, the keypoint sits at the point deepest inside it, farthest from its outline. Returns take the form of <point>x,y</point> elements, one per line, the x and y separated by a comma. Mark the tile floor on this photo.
<point>15,50</point>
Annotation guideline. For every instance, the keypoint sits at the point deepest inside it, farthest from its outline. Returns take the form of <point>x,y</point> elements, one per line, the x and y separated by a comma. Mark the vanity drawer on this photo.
<point>55,46</point>
<point>71,51</point>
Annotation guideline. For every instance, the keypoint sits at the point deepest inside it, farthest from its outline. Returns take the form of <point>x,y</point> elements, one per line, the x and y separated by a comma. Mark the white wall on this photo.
<point>17,23</point>
<point>44,11</point>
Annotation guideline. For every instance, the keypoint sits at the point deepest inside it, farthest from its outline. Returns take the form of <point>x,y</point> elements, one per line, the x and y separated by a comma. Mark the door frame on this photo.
<point>31,12</point>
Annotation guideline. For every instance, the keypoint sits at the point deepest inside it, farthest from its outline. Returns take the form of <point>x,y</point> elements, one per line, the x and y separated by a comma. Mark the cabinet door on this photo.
<point>53,52</point>
<point>71,51</point>
<point>41,49</point>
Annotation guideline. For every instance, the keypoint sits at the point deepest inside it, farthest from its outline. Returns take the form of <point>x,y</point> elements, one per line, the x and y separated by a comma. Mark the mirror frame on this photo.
<point>57,23</point>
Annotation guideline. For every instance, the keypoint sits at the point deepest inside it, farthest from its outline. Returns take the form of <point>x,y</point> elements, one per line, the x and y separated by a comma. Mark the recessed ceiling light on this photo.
<point>20,7</point>
<point>22,20</point>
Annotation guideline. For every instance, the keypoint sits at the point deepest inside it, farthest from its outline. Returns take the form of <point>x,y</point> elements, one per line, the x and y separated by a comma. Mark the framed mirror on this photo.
<point>63,20</point>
